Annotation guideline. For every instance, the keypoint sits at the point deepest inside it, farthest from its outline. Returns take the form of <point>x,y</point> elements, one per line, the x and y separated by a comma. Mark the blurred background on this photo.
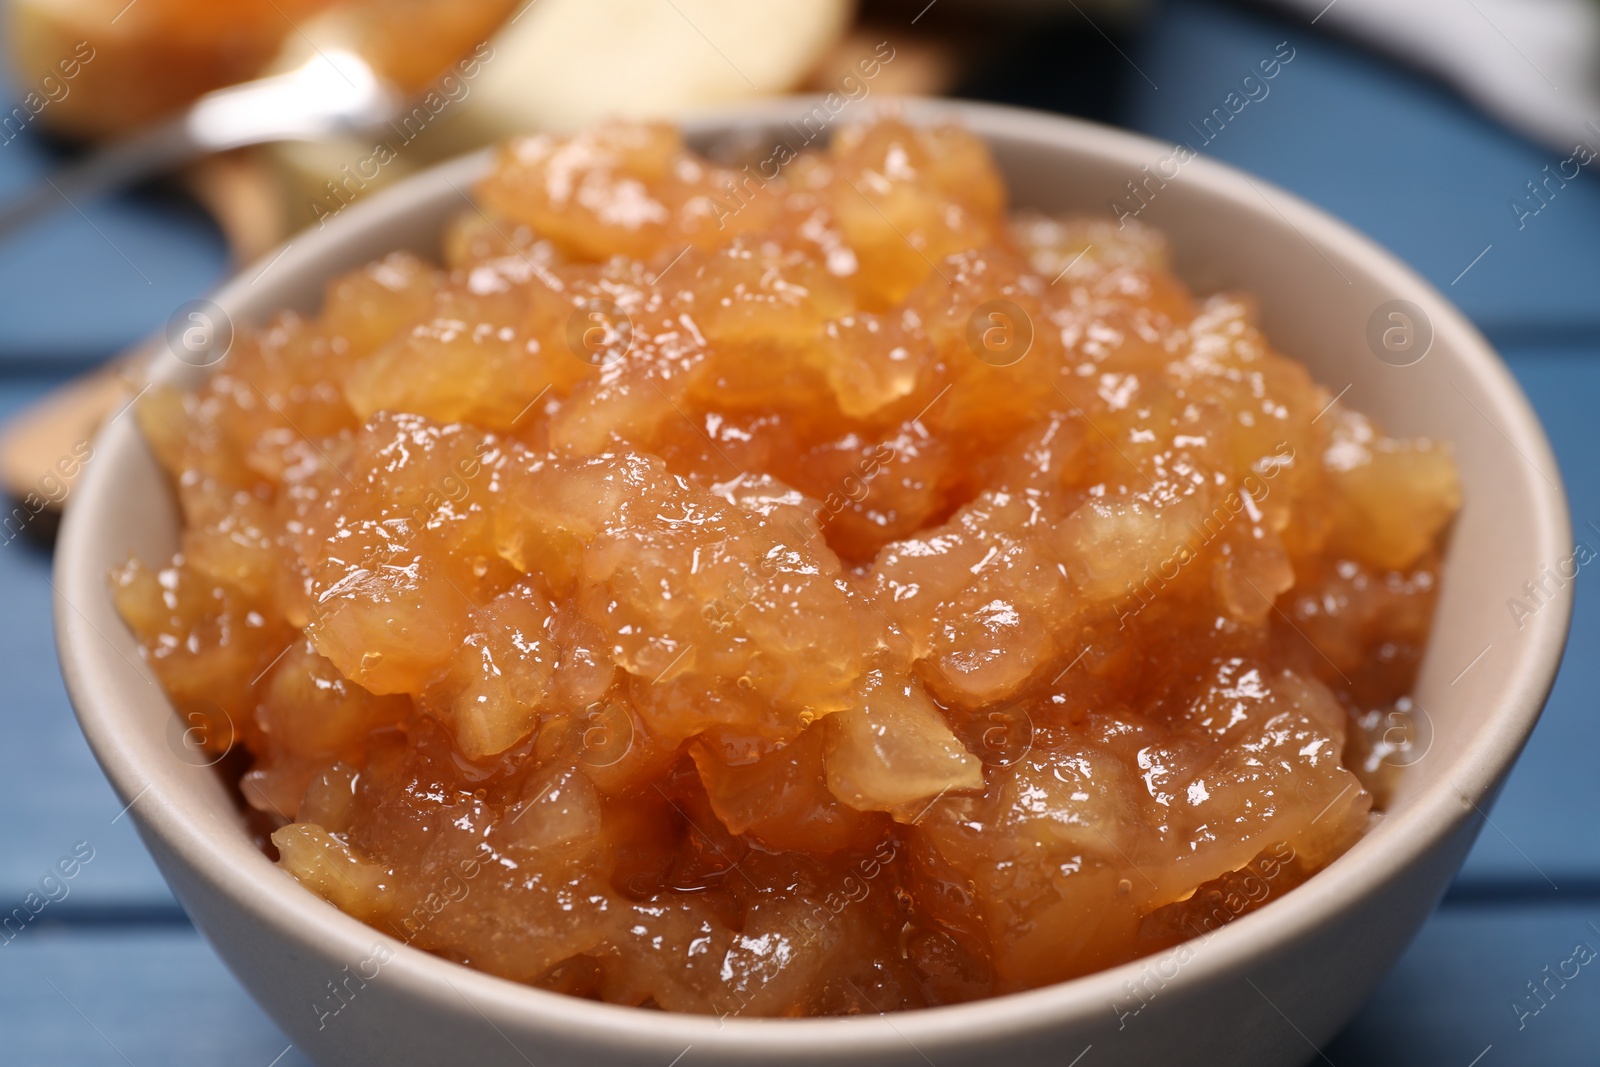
<point>1464,135</point>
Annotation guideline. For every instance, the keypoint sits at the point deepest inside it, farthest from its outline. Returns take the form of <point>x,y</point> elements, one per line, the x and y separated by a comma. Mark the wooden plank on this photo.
<point>1542,832</point>
<point>1463,992</point>
<point>78,287</point>
<point>1396,155</point>
<point>94,998</point>
<point>83,996</point>
<point>51,789</point>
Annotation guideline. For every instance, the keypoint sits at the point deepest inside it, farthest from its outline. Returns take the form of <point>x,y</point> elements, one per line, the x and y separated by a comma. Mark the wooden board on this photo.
<point>1391,152</point>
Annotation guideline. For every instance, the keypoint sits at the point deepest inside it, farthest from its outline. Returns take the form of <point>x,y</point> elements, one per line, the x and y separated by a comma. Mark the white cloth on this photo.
<point>1533,64</point>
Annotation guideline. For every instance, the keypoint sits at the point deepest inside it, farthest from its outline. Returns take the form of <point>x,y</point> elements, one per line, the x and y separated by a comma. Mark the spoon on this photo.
<point>335,92</point>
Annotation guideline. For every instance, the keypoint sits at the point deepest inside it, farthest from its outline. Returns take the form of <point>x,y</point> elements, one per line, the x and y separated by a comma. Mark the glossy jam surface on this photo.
<point>808,589</point>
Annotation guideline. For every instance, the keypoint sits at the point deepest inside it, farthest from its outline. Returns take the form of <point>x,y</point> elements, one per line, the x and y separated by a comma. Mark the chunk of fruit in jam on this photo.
<point>782,654</point>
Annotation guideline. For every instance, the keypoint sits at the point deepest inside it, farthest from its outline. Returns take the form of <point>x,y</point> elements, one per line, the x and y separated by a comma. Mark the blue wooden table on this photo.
<point>113,973</point>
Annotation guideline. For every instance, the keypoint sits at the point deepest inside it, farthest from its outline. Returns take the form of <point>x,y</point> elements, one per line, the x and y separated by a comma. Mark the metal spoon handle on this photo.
<point>127,162</point>
<point>334,92</point>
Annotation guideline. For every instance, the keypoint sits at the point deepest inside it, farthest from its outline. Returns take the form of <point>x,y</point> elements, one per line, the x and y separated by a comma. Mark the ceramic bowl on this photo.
<point>1266,989</point>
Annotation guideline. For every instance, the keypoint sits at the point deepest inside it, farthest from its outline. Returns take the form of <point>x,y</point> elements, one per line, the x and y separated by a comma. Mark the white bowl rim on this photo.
<point>298,915</point>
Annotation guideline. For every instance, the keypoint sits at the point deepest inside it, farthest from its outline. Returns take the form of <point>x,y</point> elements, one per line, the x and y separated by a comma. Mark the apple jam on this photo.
<point>803,589</point>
